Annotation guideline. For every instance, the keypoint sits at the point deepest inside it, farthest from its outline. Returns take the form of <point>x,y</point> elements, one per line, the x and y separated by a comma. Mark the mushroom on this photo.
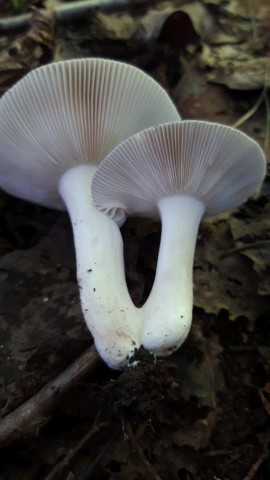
<point>180,171</point>
<point>56,125</point>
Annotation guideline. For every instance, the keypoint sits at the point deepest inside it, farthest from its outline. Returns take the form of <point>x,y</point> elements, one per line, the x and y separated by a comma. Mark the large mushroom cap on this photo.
<point>216,164</point>
<point>70,113</point>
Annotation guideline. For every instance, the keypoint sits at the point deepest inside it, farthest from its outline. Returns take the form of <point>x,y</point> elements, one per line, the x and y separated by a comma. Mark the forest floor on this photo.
<point>204,412</point>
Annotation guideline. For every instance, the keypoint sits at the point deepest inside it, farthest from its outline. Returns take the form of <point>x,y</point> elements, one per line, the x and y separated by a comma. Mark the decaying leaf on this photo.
<point>236,66</point>
<point>252,240</point>
<point>223,280</point>
<point>38,287</point>
<point>240,9</point>
<point>210,407</point>
<point>196,435</point>
<point>242,62</point>
<point>28,50</point>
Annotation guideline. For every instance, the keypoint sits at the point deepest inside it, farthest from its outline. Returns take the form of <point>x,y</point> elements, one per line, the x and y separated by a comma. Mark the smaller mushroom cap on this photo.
<point>216,164</point>
<point>70,113</point>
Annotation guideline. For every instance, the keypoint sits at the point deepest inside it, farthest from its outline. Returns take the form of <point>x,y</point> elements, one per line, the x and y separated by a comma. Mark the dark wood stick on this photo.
<point>30,416</point>
<point>59,467</point>
<point>70,10</point>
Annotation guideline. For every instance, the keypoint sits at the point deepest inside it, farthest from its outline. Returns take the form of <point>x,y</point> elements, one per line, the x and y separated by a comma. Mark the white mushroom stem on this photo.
<point>167,312</point>
<point>108,310</point>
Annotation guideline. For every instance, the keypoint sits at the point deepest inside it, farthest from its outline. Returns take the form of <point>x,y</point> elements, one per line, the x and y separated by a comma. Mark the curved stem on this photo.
<point>108,310</point>
<point>167,312</point>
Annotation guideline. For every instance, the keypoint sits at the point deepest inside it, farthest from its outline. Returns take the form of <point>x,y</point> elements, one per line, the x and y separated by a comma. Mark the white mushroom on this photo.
<point>180,172</point>
<point>56,125</point>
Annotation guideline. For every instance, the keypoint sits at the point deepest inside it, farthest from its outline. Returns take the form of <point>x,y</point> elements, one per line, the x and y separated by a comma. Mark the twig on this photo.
<point>28,417</point>
<point>211,374</point>
<point>255,467</point>
<point>250,112</point>
<point>263,98</point>
<point>250,6</point>
<point>265,403</point>
<point>86,475</point>
<point>267,128</point>
<point>247,246</point>
<point>72,10</point>
<point>59,467</point>
<point>152,474</point>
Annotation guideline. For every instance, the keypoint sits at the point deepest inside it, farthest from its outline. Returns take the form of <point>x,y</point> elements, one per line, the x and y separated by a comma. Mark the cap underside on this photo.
<point>72,113</point>
<point>214,163</point>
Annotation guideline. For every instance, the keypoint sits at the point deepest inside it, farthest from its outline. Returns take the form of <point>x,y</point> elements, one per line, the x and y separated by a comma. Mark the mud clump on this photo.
<point>141,387</point>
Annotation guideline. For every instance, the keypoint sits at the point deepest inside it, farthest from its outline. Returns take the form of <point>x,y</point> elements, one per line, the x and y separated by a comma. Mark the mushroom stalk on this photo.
<point>108,310</point>
<point>186,170</point>
<point>168,310</point>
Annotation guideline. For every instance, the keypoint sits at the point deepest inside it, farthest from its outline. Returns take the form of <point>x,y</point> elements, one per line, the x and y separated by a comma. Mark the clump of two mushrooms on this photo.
<point>180,172</point>
<point>58,123</point>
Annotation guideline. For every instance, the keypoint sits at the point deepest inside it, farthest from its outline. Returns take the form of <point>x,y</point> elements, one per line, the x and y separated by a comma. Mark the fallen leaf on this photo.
<point>29,50</point>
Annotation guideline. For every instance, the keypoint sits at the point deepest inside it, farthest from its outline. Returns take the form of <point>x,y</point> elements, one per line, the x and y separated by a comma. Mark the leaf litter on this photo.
<point>203,412</point>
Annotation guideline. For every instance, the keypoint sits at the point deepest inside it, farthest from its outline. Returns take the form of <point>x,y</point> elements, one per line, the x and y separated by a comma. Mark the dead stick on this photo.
<point>59,467</point>
<point>28,417</point>
<point>136,447</point>
<point>72,10</point>
<point>250,246</point>
<point>243,248</point>
<point>252,472</point>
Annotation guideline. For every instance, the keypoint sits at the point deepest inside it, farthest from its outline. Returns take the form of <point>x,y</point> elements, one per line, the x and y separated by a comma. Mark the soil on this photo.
<point>202,413</point>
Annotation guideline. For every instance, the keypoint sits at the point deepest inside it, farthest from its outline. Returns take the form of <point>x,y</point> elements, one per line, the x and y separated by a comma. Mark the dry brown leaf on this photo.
<point>240,9</point>
<point>28,50</point>
<point>225,281</point>
<point>241,62</point>
<point>252,240</point>
<point>236,66</point>
<point>38,286</point>
<point>197,435</point>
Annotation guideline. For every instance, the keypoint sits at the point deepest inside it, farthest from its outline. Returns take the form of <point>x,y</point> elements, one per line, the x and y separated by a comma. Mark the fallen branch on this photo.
<point>30,416</point>
<point>248,246</point>
<point>72,10</point>
<point>60,467</point>
<point>252,472</point>
<point>152,475</point>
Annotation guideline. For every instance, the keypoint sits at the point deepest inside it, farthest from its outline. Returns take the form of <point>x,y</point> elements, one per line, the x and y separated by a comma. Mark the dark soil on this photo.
<point>202,413</point>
